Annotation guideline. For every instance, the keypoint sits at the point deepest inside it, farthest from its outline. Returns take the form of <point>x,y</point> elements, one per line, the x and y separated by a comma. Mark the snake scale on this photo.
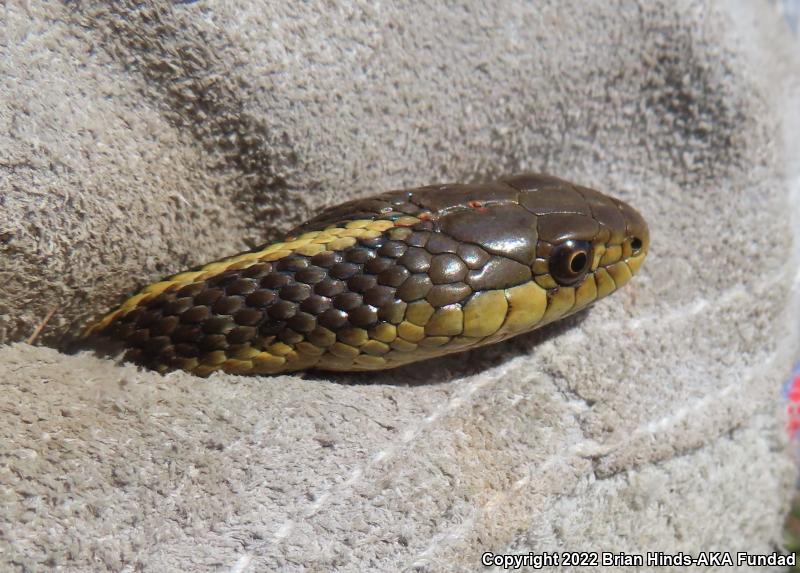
<point>388,280</point>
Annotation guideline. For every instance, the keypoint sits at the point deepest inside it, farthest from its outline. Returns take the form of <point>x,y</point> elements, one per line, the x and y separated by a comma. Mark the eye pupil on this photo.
<point>578,262</point>
<point>636,244</point>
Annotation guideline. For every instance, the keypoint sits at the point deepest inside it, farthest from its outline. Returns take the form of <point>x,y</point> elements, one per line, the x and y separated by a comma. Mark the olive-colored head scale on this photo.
<point>380,282</point>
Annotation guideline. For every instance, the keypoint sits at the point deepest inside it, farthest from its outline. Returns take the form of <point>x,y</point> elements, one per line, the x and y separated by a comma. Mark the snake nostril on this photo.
<point>636,244</point>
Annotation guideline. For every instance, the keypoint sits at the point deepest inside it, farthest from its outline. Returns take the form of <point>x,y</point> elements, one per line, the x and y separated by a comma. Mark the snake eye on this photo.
<point>636,245</point>
<point>569,261</point>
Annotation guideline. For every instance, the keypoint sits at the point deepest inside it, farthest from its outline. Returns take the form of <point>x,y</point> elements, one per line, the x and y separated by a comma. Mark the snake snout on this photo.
<point>637,237</point>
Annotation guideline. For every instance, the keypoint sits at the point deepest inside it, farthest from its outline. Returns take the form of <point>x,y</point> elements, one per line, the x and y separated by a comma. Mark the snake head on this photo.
<point>556,228</point>
<point>577,244</point>
<point>585,241</point>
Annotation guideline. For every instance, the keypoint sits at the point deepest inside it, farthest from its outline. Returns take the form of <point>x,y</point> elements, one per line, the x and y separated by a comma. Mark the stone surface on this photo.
<point>143,138</point>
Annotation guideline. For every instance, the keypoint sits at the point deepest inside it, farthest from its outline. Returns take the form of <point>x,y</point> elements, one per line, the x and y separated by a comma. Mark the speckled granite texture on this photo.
<point>137,139</point>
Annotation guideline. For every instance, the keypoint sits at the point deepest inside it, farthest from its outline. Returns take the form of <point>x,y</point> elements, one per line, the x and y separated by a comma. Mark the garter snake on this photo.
<point>388,280</point>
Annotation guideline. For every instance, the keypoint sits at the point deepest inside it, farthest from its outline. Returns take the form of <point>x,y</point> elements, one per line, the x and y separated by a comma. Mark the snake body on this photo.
<point>388,280</point>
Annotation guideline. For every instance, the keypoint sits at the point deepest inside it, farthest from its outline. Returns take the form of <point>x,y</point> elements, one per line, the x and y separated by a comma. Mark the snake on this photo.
<point>384,281</point>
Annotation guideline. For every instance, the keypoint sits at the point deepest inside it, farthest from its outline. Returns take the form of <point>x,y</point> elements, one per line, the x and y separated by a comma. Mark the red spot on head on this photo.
<point>478,206</point>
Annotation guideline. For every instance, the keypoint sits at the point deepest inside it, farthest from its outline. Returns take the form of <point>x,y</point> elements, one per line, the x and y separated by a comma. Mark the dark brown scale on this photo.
<point>416,260</point>
<point>379,295</point>
<point>282,310</point>
<point>347,301</point>
<point>146,318</point>
<point>272,327</point>
<point>393,249</point>
<point>311,275</point>
<point>498,273</point>
<point>362,283</point>
<point>447,268</point>
<point>425,225</point>
<point>275,280</point>
<point>398,197</point>
<point>326,259</point>
<point>157,302</point>
<point>241,286</point>
<point>393,276</point>
<point>178,306</point>
<point>241,334</point>
<point>507,230</point>
<point>441,243</point>
<point>364,316</point>
<point>190,290</point>
<point>227,305</point>
<point>291,263</point>
<point>303,322</point>
<point>209,296</point>
<point>415,287</point>
<point>375,243</point>
<point>329,287</point>
<point>187,333</point>
<point>407,208</point>
<point>212,342</point>
<point>378,265</point>
<point>442,295</point>
<point>139,337</point>
<point>359,255</point>
<point>156,344</point>
<point>223,279</point>
<point>248,316</point>
<point>257,270</point>
<point>608,212</point>
<point>375,205</point>
<point>418,239</point>
<point>134,315</point>
<point>472,255</point>
<point>393,312</point>
<point>261,298</point>
<point>543,250</point>
<point>315,304</point>
<point>438,197</point>
<point>187,350</point>
<point>289,336</point>
<point>167,355</point>
<point>295,292</point>
<point>555,199</point>
<point>344,270</point>
<point>319,337</point>
<point>196,314</point>
<point>165,326</point>
<point>333,318</point>
<point>122,330</point>
<point>136,355</point>
<point>561,227</point>
<point>219,324</point>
